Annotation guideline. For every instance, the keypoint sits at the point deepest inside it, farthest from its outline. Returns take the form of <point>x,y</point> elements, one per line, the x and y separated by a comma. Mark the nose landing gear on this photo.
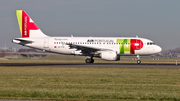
<point>138,61</point>
<point>89,60</point>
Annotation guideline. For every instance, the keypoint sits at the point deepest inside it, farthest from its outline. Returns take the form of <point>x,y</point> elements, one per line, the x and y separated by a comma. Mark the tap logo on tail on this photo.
<point>26,24</point>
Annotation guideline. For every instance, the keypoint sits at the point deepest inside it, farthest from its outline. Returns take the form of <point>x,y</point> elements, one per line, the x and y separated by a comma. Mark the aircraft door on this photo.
<point>137,44</point>
<point>46,43</point>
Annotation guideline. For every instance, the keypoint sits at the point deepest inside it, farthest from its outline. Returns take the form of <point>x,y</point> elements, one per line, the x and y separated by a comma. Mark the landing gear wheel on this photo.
<point>89,60</point>
<point>138,61</point>
<point>92,60</point>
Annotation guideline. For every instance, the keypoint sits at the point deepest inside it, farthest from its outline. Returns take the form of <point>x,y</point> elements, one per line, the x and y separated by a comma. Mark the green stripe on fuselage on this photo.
<point>124,46</point>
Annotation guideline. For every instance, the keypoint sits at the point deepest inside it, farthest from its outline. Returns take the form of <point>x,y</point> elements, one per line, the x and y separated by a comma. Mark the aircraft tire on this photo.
<point>138,61</point>
<point>92,60</point>
<point>89,60</point>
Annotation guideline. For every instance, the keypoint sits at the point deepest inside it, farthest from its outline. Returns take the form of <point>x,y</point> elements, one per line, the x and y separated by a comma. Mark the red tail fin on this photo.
<point>27,27</point>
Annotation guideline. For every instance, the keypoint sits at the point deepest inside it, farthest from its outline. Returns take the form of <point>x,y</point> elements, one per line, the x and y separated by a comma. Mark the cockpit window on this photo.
<point>150,43</point>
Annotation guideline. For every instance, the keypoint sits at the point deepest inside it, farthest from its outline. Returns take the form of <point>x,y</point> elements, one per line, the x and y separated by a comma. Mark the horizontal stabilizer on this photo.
<point>22,40</point>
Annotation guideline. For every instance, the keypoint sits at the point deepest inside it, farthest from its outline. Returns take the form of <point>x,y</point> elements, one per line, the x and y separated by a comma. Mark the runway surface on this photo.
<point>107,65</point>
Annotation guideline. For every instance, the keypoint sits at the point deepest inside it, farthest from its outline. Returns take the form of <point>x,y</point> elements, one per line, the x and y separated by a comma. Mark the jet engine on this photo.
<point>109,55</point>
<point>77,52</point>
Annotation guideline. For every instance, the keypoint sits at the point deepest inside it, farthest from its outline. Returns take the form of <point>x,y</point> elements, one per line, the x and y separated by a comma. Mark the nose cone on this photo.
<point>158,49</point>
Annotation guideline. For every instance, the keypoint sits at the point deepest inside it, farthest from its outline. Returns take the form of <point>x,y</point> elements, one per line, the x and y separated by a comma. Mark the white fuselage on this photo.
<point>61,45</point>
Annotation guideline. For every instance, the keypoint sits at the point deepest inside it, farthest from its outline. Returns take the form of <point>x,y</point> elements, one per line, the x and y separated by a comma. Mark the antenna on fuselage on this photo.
<point>136,36</point>
<point>71,35</point>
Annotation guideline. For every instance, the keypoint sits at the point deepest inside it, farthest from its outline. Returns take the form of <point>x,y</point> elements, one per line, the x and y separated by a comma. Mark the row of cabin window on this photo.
<point>87,43</point>
<point>149,43</point>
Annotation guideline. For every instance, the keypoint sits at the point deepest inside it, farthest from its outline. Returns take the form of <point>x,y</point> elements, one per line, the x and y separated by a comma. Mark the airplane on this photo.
<point>106,48</point>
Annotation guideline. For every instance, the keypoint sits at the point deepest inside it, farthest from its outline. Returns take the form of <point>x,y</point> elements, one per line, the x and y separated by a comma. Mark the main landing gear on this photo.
<point>138,61</point>
<point>89,60</point>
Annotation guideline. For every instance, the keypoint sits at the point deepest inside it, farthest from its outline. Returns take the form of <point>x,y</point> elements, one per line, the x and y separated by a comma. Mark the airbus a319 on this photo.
<point>106,48</point>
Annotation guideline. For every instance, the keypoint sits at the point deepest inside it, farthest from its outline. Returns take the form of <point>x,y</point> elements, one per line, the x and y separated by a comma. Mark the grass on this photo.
<point>86,84</point>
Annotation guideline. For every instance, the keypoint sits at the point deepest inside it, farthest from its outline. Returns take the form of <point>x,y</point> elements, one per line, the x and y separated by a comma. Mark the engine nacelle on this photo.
<point>77,52</point>
<point>109,55</point>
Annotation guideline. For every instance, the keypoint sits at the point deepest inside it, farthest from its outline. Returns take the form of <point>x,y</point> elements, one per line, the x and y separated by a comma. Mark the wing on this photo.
<point>87,49</point>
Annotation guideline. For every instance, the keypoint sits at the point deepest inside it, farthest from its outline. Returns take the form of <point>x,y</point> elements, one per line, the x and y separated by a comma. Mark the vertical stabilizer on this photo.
<point>27,27</point>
